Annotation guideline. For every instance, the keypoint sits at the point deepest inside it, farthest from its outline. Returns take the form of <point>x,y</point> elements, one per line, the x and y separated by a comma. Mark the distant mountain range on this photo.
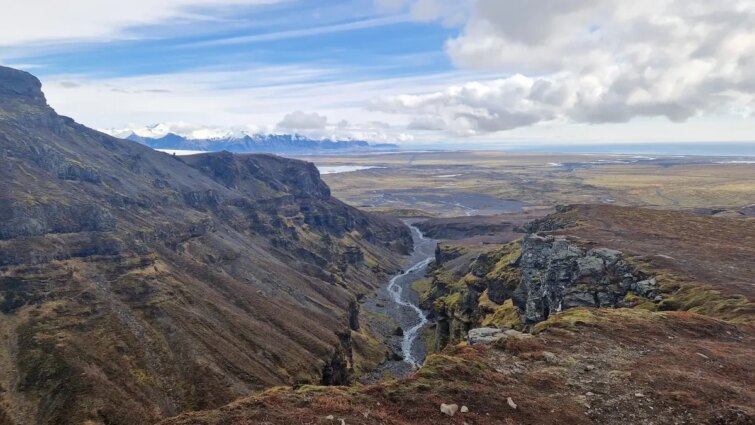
<point>260,143</point>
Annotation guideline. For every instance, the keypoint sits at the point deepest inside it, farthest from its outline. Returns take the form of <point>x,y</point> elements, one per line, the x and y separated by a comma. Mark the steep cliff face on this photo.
<point>557,275</point>
<point>136,285</point>
<point>525,282</point>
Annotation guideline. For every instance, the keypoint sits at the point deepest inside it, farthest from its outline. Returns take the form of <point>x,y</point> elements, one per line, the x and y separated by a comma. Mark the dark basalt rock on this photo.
<point>36,219</point>
<point>354,315</point>
<point>337,371</point>
<point>78,172</point>
<point>549,223</point>
<point>557,275</point>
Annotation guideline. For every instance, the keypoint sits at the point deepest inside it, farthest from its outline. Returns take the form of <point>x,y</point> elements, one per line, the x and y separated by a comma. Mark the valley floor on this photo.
<point>485,183</point>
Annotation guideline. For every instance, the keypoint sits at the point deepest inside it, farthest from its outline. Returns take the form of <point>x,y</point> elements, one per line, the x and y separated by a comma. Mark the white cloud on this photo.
<point>306,32</point>
<point>451,12</point>
<point>591,61</point>
<point>317,126</point>
<point>379,132</point>
<point>252,94</point>
<point>188,130</point>
<point>40,21</point>
<point>298,120</point>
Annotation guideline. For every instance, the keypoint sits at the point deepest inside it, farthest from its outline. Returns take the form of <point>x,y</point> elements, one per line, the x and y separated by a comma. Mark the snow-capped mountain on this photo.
<point>269,143</point>
<point>182,136</point>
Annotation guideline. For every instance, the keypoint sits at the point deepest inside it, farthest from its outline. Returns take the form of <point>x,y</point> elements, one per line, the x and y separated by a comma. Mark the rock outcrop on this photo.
<point>525,282</point>
<point>558,275</point>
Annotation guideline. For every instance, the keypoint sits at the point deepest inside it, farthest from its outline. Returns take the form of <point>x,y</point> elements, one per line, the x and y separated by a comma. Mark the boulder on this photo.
<point>511,403</point>
<point>484,335</point>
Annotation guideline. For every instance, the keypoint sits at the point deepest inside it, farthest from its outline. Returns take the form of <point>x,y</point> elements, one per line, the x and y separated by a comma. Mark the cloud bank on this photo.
<point>588,61</point>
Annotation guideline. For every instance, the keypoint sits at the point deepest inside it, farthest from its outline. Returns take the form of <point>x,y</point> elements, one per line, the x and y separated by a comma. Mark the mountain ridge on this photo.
<point>136,285</point>
<point>260,143</point>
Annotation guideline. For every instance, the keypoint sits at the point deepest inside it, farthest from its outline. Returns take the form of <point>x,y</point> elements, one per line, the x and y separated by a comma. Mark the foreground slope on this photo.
<point>630,316</point>
<point>600,367</point>
<point>135,285</point>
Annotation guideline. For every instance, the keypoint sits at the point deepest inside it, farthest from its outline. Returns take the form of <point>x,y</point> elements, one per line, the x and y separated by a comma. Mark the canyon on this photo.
<point>141,287</point>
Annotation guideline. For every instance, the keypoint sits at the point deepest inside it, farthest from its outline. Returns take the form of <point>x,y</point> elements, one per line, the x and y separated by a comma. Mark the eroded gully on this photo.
<point>400,303</point>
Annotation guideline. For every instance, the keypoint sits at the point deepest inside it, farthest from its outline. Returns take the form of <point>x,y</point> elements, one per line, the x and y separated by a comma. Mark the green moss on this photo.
<point>504,316</point>
<point>141,377</point>
<point>505,258</point>
<point>573,318</point>
<point>635,301</point>
<point>429,336</point>
<point>368,351</point>
<point>449,366</point>
<point>423,287</point>
<point>705,300</point>
<point>470,280</point>
<point>450,302</point>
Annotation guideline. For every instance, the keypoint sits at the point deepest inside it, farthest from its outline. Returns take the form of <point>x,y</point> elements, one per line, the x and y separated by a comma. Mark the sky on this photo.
<point>478,73</point>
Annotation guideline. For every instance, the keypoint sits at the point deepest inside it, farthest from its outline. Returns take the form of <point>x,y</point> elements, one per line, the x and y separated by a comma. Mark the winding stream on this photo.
<point>424,250</point>
<point>399,304</point>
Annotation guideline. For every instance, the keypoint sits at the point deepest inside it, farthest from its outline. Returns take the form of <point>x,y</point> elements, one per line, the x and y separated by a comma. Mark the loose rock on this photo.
<point>511,403</point>
<point>464,409</point>
<point>550,357</point>
<point>449,409</point>
<point>488,335</point>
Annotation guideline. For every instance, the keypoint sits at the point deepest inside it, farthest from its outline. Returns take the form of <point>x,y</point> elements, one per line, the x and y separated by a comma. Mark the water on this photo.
<point>736,149</point>
<point>415,318</point>
<point>396,291</point>
<point>398,301</point>
<point>338,169</point>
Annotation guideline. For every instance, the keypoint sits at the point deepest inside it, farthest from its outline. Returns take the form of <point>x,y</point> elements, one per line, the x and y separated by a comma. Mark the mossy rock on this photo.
<point>504,316</point>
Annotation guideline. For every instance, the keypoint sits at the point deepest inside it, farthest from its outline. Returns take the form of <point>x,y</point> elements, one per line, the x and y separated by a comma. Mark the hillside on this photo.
<point>135,285</point>
<point>592,315</point>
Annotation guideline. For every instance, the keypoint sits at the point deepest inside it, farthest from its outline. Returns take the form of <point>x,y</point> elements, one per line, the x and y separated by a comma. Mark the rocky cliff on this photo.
<point>525,282</point>
<point>558,275</point>
<point>565,261</point>
<point>630,316</point>
<point>136,285</point>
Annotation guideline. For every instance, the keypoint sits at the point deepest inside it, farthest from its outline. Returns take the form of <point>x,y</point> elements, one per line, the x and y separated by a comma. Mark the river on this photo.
<point>396,289</point>
<point>400,302</point>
